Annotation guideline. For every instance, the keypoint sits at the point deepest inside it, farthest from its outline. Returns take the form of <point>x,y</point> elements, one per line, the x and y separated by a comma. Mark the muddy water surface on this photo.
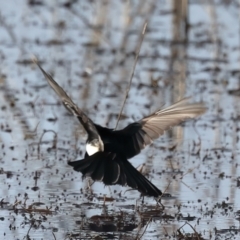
<point>89,48</point>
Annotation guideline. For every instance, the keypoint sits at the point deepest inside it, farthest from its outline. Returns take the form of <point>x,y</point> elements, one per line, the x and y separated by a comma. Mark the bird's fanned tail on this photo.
<point>111,170</point>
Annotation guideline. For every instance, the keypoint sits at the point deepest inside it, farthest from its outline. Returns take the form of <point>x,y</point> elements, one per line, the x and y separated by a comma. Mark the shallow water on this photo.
<point>89,49</point>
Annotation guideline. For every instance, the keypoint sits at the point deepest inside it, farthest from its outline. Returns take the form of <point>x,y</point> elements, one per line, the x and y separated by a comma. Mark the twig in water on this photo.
<point>54,235</point>
<point>160,198</point>
<point>54,141</point>
<point>139,237</point>
<point>27,236</point>
<point>195,232</point>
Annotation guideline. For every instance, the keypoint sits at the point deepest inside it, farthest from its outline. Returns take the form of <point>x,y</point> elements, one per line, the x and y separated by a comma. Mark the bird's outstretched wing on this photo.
<point>70,105</point>
<point>133,138</point>
<point>111,169</point>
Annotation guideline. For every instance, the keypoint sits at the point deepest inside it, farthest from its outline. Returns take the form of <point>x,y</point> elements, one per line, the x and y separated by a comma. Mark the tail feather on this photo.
<point>80,165</point>
<point>98,174</point>
<point>142,184</point>
<point>85,166</point>
<point>112,172</point>
<point>126,178</point>
<point>111,169</point>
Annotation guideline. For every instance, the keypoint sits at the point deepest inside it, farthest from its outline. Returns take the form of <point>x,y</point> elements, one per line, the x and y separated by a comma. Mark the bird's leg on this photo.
<point>89,185</point>
<point>104,200</point>
<point>159,203</point>
<point>105,196</point>
<point>139,199</point>
<point>110,191</point>
<point>105,209</point>
<point>136,205</point>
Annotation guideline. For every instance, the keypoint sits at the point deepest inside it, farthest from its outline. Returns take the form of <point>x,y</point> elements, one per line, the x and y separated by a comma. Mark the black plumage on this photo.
<point>108,161</point>
<point>112,169</point>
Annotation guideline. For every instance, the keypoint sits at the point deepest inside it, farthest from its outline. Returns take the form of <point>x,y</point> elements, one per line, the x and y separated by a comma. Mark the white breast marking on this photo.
<point>91,149</point>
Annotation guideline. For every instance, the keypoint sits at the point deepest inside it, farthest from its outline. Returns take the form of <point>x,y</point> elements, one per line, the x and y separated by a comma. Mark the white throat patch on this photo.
<point>91,149</point>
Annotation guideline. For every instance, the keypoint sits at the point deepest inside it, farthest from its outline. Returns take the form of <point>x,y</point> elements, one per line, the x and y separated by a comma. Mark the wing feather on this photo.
<point>136,136</point>
<point>70,105</point>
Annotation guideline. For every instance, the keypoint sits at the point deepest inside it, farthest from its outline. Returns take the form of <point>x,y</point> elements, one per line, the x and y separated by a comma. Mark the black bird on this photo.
<point>108,151</point>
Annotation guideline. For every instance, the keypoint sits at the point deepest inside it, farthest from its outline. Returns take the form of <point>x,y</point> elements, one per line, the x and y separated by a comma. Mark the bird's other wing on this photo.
<point>111,169</point>
<point>137,135</point>
<point>160,121</point>
<point>70,105</point>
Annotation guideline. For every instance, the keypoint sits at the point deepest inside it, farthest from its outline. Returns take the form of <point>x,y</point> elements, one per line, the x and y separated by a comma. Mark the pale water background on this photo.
<point>89,47</point>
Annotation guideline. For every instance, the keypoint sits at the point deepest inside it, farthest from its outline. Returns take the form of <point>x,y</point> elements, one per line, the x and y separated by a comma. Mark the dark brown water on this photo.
<point>89,49</point>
